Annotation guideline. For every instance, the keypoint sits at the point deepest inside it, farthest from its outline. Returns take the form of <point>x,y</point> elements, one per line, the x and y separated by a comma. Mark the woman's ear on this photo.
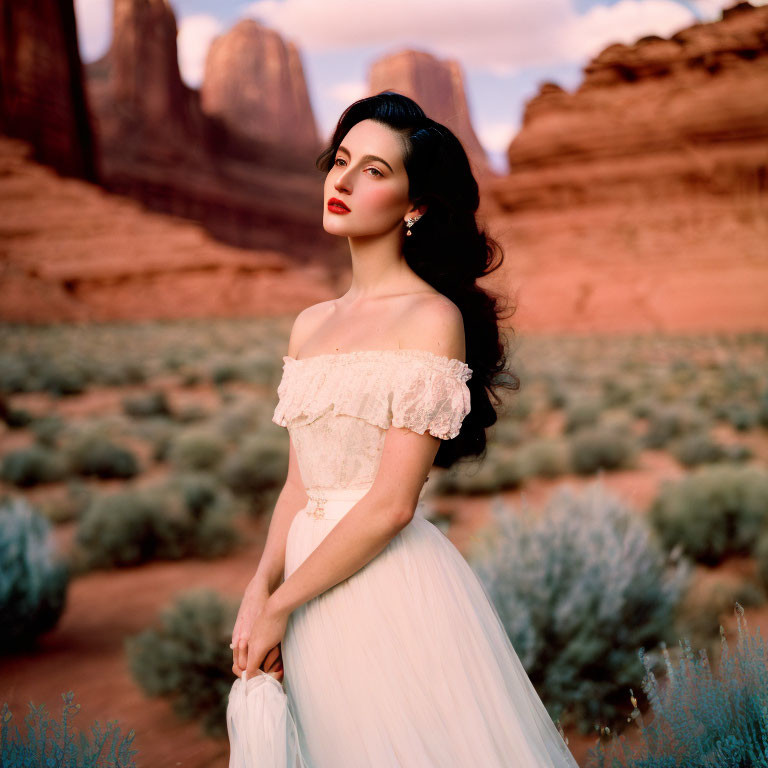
<point>416,212</point>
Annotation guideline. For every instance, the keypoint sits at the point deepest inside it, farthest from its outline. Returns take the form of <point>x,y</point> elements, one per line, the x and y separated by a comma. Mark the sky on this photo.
<point>506,48</point>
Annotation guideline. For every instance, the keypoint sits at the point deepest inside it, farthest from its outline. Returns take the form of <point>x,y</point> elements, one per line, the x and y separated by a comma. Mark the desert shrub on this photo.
<point>761,555</point>
<point>583,412</point>
<point>739,415</point>
<point>134,526</point>
<point>121,373</point>
<point>14,375</point>
<point>33,580</point>
<point>62,377</point>
<point>147,404</point>
<point>47,430</point>
<point>602,447</point>
<point>70,504</point>
<point>48,742</point>
<point>701,717</point>
<point>545,457</point>
<point>501,469</point>
<point>698,448</point>
<point>196,448</point>
<point>737,452</point>
<point>96,455</point>
<point>33,465</point>
<point>579,587</point>
<point>14,418</point>
<point>186,657</point>
<point>762,409</point>
<point>616,392</point>
<point>256,470</point>
<point>671,421</point>
<point>508,433</point>
<point>714,512</point>
<point>223,371</point>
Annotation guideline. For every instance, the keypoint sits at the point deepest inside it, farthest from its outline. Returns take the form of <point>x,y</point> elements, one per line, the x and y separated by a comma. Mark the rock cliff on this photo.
<point>688,114</point>
<point>438,87</point>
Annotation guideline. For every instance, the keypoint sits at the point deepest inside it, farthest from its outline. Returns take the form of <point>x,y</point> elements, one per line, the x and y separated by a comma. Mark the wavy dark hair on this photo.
<point>447,249</point>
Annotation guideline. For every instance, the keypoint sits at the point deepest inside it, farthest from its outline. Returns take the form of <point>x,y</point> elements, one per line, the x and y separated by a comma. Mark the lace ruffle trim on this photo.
<point>415,389</point>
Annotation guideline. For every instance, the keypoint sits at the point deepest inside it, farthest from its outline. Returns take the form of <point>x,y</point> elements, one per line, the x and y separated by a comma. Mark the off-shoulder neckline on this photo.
<point>376,353</point>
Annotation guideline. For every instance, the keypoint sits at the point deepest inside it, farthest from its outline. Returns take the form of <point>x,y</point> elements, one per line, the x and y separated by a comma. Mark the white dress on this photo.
<point>405,664</point>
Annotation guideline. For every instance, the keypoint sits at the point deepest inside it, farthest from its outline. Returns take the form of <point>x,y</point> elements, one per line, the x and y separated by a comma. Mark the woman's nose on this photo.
<point>343,181</point>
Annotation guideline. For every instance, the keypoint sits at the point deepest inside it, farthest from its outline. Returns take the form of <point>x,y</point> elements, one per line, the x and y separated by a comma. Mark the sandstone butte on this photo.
<point>636,203</point>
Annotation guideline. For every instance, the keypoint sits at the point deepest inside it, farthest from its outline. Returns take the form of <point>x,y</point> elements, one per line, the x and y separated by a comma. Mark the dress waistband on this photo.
<point>334,503</point>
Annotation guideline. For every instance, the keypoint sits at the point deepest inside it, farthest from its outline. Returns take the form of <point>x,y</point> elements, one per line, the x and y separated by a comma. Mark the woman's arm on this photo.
<point>368,526</point>
<point>269,573</point>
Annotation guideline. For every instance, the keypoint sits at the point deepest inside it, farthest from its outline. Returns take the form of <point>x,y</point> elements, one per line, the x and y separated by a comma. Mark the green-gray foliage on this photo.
<point>671,421</point>
<point>605,447</point>
<point>33,465</point>
<point>187,658</point>
<point>701,717</point>
<point>147,404</point>
<point>164,522</point>
<point>716,511</point>
<point>48,742</point>
<point>196,448</point>
<point>257,470</point>
<point>579,587</point>
<point>33,579</point>
<point>97,455</point>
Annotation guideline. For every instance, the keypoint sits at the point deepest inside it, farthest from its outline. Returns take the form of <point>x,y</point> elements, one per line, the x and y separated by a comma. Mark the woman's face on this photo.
<point>369,177</point>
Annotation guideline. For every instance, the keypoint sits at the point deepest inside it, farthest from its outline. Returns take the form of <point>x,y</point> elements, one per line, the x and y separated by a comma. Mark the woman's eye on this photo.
<point>376,171</point>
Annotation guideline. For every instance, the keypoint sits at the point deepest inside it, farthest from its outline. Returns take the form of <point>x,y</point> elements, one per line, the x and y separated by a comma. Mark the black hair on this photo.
<point>446,249</point>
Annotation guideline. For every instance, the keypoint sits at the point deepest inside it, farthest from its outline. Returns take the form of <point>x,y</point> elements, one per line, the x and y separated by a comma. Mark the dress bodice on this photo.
<point>337,408</point>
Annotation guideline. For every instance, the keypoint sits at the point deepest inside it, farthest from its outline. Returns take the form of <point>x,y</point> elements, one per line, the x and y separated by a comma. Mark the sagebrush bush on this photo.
<point>602,447</point>
<point>257,470</point>
<point>147,404</point>
<point>580,413</point>
<point>187,658</point>
<point>134,526</point>
<point>701,717</point>
<point>33,465</point>
<point>761,555</point>
<point>670,421</point>
<point>579,587</point>
<point>544,457</point>
<point>95,455</point>
<point>698,448</point>
<point>196,448</point>
<point>33,579</point>
<point>717,510</point>
<point>48,742</point>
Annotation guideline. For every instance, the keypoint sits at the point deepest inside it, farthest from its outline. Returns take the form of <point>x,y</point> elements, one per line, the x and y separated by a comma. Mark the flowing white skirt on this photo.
<point>406,664</point>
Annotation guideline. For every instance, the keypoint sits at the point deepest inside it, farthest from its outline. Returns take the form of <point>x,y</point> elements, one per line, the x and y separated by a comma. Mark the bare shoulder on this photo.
<point>306,323</point>
<point>433,322</point>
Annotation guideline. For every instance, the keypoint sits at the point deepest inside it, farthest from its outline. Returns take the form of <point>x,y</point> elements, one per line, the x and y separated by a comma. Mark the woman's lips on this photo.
<point>336,206</point>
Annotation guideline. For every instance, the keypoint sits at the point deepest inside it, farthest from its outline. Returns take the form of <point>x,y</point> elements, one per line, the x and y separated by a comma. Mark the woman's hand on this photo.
<point>266,634</point>
<point>254,600</point>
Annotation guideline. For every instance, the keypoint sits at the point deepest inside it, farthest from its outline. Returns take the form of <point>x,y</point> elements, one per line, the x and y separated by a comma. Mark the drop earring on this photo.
<point>409,223</point>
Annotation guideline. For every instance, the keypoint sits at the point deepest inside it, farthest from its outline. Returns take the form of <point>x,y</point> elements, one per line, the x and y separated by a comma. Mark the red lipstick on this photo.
<point>336,206</point>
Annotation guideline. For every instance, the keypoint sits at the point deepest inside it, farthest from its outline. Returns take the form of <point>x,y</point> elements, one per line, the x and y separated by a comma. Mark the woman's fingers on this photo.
<point>241,659</point>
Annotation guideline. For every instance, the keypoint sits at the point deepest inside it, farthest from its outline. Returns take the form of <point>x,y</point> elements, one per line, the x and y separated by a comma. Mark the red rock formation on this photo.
<point>438,87</point>
<point>268,99</point>
<point>660,117</point>
<point>41,89</point>
<point>161,149</point>
<point>71,252</point>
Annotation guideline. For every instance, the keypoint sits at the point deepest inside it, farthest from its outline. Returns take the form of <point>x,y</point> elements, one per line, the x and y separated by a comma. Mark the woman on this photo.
<point>393,652</point>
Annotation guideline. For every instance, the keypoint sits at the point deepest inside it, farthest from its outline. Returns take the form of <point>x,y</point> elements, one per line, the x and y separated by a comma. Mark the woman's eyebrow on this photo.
<point>368,157</point>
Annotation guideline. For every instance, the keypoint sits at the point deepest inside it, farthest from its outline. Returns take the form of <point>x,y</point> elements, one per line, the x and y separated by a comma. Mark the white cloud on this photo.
<point>347,92</point>
<point>496,137</point>
<point>496,35</point>
<point>623,22</point>
<point>196,33</point>
<point>94,28</point>
<point>711,9</point>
